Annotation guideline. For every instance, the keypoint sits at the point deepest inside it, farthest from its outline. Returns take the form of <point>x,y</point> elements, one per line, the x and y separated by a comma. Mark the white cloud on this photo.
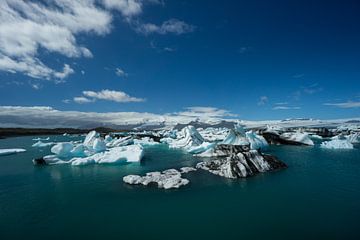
<point>349,104</point>
<point>108,95</point>
<point>285,108</point>
<point>173,26</point>
<point>206,112</point>
<point>120,72</point>
<point>26,27</point>
<point>128,8</point>
<point>82,100</point>
<point>30,27</point>
<point>263,100</point>
<point>47,117</point>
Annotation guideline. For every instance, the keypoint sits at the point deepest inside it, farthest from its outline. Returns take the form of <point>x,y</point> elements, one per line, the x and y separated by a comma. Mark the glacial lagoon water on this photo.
<point>317,197</point>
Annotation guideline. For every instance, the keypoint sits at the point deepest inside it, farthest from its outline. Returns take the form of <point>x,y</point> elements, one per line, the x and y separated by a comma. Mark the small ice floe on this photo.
<point>187,169</point>
<point>41,139</point>
<point>11,151</point>
<point>41,144</point>
<point>167,179</point>
<point>337,144</point>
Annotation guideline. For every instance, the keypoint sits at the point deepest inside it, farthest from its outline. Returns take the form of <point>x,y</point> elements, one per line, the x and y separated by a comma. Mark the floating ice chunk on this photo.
<point>10,151</point>
<point>315,136</point>
<point>297,137</point>
<point>354,137</point>
<point>42,144</point>
<point>78,161</point>
<point>337,144</point>
<point>205,146</point>
<point>168,179</point>
<point>256,141</point>
<point>41,139</point>
<point>189,137</point>
<point>214,134</point>
<point>187,169</point>
<point>53,159</point>
<point>79,151</point>
<point>145,141</point>
<point>132,153</point>
<point>121,142</point>
<point>90,138</point>
<point>99,145</point>
<point>62,149</point>
<point>108,138</point>
<point>235,138</point>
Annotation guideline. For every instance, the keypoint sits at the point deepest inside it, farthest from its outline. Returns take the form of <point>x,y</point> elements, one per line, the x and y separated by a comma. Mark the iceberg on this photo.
<point>241,163</point>
<point>121,142</point>
<point>42,144</point>
<point>256,141</point>
<point>337,144</point>
<point>236,136</point>
<point>354,137</point>
<point>62,149</point>
<point>205,146</point>
<point>99,145</point>
<point>297,138</point>
<point>189,137</point>
<point>41,139</point>
<point>90,138</point>
<point>132,153</point>
<point>11,151</point>
<point>167,179</point>
<point>145,141</point>
<point>79,151</point>
<point>108,138</point>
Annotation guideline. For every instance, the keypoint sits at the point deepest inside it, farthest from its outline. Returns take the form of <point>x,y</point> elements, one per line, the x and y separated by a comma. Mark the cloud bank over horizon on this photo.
<point>48,117</point>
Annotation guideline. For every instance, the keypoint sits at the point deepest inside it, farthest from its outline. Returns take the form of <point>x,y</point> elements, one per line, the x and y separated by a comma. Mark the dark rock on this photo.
<point>39,161</point>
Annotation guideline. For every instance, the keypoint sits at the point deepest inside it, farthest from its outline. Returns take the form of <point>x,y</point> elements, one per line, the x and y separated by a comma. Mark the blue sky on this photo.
<point>256,59</point>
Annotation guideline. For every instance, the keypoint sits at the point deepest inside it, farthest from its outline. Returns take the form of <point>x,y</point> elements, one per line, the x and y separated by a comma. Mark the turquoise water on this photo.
<point>318,196</point>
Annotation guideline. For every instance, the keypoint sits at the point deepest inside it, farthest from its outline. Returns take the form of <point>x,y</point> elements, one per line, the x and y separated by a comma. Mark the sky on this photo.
<point>251,60</point>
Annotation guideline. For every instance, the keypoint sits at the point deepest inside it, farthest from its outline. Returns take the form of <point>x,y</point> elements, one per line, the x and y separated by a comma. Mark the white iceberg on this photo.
<point>297,137</point>
<point>132,153</point>
<point>337,144</point>
<point>99,145</point>
<point>315,136</point>
<point>121,142</point>
<point>90,138</point>
<point>167,179</point>
<point>236,136</point>
<point>62,149</point>
<point>354,137</point>
<point>108,138</point>
<point>256,141</point>
<point>79,151</point>
<point>41,139</point>
<point>145,141</point>
<point>10,151</point>
<point>42,144</point>
<point>189,137</point>
<point>205,146</point>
